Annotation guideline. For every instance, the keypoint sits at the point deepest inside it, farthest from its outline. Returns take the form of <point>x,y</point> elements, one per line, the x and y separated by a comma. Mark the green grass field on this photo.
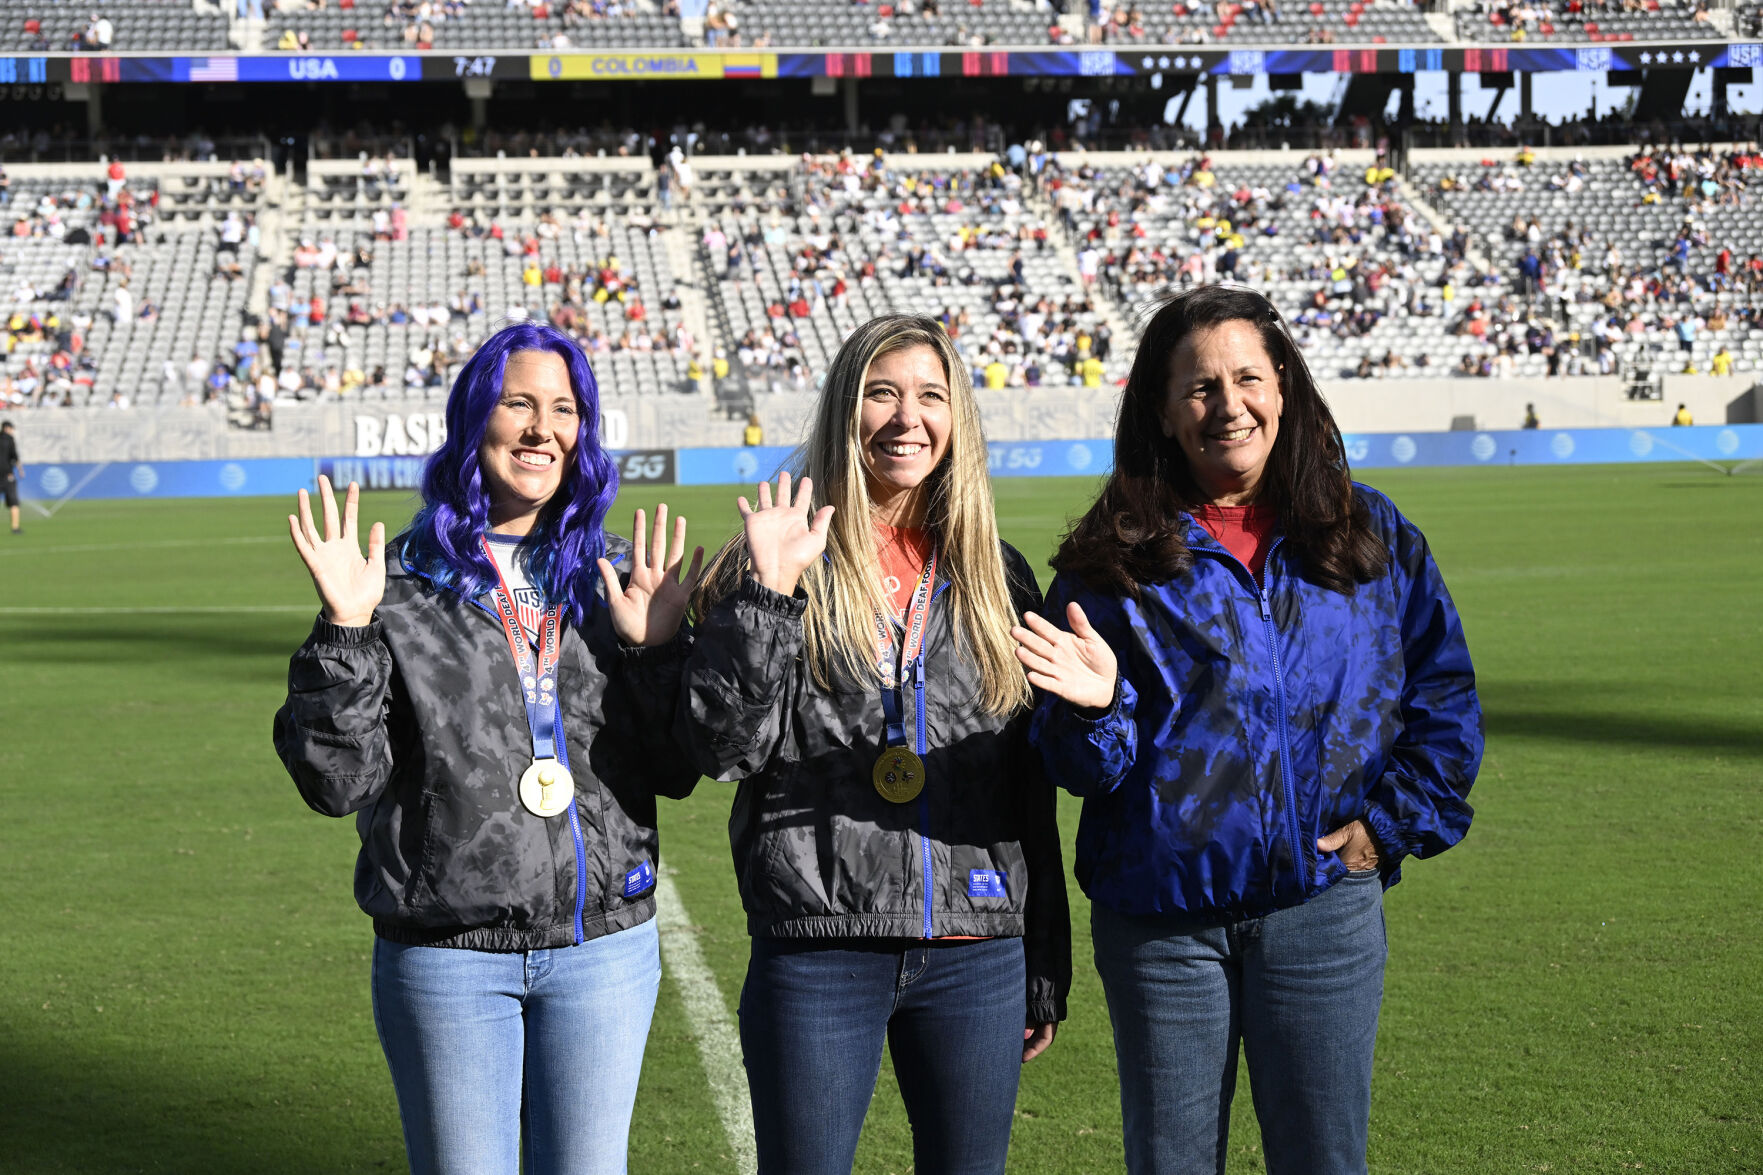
<point>1577,987</point>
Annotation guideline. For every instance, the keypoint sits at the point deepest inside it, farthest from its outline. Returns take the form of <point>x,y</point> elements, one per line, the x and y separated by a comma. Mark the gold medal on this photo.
<point>899,775</point>
<point>547,788</point>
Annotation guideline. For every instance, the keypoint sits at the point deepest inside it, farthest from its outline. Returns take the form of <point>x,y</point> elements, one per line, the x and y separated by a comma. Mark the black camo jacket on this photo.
<point>818,852</point>
<point>414,723</point>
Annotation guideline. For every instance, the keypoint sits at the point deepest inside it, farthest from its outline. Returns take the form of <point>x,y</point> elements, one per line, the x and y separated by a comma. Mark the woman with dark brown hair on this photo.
<point>1262,692</point>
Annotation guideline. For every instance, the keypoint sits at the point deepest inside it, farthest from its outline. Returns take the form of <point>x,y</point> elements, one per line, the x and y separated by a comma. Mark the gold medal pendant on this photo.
<point>899,775</point>
<point>547,788</point>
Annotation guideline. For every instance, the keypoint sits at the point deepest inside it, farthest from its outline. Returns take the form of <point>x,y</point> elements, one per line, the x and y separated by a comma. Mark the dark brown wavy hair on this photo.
<point>1133,533</point>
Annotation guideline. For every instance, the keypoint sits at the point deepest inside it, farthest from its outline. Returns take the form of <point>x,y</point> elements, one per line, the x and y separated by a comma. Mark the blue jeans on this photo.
<point>482,1044</point>
<point>814,1014</point>
<point>1299,989</point>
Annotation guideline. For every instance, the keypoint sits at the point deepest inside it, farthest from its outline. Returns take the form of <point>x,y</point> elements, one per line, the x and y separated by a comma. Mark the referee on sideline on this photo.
<point>9,464</point>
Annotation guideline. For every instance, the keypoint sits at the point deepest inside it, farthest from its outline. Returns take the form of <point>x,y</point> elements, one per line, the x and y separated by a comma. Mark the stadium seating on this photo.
<point>790,256</point>
<point>808,23</point>
<point>1609,204</point>
<point>174,267</point>
<point>486,24</point>
<point>916,238</point>
<point>38,25</point>
<point>1311,21</point>
<point>1320,285</point>
<point>1596,21</point>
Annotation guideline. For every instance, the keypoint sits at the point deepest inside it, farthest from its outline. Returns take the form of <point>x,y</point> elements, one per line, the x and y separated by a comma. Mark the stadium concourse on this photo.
<point>733,278</point>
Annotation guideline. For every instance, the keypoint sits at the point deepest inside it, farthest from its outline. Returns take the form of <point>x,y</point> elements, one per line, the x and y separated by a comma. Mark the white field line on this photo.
<point>168,610</point>
<point>719,1042</point>
<point>81,484</point>
<point>75,548</point>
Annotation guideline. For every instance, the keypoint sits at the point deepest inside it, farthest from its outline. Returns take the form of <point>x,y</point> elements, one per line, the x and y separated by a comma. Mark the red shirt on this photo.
<point>1244,531</point>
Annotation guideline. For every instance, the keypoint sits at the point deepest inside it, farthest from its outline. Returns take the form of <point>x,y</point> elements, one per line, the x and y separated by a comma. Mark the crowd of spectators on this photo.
<point>1523,20</point>
<point>963,238</point>
<point>1582,297</point>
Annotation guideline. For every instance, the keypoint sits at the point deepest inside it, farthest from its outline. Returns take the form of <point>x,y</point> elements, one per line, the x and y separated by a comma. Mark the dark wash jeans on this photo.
<point>814,1015</point>
<point>1300,989</point>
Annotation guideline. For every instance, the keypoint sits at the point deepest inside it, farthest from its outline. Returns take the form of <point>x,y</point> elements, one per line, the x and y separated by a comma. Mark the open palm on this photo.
<point>782,540</point>
<point>349,586</point>
<point>648,609</point>
<point>1077,665</point>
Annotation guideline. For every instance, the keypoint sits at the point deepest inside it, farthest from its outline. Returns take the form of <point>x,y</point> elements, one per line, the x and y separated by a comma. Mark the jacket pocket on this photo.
<point>778,845</point>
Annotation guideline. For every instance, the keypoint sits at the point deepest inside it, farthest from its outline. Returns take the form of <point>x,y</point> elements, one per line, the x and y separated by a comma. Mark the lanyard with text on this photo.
<point>546,786</point>
<point>899,773</point>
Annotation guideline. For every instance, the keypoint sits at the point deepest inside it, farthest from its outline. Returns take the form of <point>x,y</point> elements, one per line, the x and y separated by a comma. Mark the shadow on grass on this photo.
<point>1733,739</point>
<point>148,640</point>
<point>67,1110</point>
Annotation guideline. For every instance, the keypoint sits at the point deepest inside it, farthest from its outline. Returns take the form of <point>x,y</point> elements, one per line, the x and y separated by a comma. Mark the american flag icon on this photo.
<point>214,69</point>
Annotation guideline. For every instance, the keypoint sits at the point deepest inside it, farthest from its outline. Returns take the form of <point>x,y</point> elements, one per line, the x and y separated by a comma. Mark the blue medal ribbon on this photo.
<point>538,680</point>
<point>911,658</point>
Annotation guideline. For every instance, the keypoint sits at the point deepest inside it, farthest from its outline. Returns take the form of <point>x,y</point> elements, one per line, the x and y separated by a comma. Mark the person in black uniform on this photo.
<point>10,467</point>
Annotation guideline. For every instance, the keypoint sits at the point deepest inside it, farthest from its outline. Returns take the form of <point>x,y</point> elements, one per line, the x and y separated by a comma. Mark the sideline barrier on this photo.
<point>50,485</point>
<point>55,483</point>
<point>1574,446</point>
<point>1006,459</point>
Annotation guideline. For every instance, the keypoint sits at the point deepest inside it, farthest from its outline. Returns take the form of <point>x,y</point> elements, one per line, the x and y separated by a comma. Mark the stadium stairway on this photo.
<point>278,245</point>
<point>426,201</point>
<point>1066,252</point>
<point>246,34</point>
<point>691,281</point>
<point>1443,25</point>
<point>1417,200</point>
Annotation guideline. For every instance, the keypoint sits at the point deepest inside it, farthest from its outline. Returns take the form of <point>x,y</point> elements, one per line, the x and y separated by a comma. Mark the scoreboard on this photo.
<point>690,65</point>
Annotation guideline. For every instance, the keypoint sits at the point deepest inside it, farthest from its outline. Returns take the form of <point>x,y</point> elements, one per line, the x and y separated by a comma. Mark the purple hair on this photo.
<point>441,542</point>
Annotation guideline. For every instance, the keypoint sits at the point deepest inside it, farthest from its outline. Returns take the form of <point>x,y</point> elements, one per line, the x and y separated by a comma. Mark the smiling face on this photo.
<point>903,430</point>
<point>529,439</point>
<point>1222,407</point>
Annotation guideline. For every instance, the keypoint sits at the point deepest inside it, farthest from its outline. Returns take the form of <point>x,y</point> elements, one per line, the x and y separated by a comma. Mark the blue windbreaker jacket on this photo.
<point>1249,721</point>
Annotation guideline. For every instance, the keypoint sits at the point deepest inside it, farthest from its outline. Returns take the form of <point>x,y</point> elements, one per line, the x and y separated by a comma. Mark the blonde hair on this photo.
<point>845,590</point>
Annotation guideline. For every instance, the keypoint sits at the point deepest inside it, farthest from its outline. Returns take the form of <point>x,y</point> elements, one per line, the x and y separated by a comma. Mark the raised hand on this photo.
<point>1077,665</point>
<point>782,540</point>
<point>349,587</point>
<point>647,610</point>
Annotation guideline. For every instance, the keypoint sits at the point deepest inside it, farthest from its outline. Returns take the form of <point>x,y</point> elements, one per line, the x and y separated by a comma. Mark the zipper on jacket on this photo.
<point>575,832</point>
<point>924,796</point>
<point>1287,788</point>
<point>1285,741</point>
<point>575,827</point>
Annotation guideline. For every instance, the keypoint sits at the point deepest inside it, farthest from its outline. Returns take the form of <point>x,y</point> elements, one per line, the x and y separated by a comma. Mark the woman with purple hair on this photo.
<point>490,695</point>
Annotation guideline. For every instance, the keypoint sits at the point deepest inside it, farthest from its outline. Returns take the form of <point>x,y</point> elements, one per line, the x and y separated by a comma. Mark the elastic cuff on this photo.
<point>1091,717</point>
<point>757,594</point>
<point>326,633</point>
<point>1046,1012</point>
<point>1387,833</point>
<point>674,648</point>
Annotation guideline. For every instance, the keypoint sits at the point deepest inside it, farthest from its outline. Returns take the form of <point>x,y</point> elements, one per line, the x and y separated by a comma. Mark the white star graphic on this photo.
<point>1646,59</point>
<point>1695,56</point>
<point>1678,56</point>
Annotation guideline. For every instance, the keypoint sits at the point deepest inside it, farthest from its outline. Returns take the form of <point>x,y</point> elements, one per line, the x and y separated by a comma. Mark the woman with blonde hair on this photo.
<point>894,839</point>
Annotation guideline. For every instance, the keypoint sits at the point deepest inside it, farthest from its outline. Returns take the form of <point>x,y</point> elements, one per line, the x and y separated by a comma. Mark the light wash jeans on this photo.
<point>1299,989</point>
<point>481,1043</point>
